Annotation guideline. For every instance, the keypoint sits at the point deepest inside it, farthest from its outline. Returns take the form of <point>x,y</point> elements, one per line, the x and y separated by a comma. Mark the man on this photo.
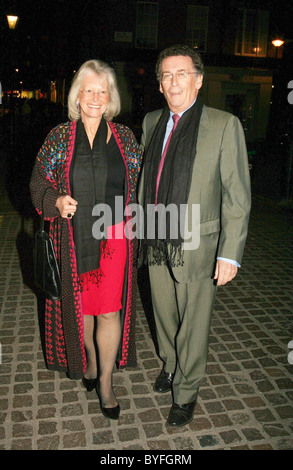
<point>206,165</point>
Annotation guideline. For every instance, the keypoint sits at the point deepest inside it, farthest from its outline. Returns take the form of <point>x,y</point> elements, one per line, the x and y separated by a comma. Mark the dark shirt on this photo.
<point>116,172</point>
<point>116,178</point>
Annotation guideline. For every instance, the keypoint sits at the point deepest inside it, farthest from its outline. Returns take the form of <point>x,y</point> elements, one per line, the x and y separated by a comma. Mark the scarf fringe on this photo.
<point>95,276</point>
<point>161,253</point>
<point>92,277</point>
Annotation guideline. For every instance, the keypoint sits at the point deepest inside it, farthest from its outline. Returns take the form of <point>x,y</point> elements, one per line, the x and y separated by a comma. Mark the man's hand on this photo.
<point>225,272</point>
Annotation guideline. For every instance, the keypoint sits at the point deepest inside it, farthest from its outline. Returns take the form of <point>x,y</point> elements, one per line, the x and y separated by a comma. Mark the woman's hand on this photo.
<point>66,206</point>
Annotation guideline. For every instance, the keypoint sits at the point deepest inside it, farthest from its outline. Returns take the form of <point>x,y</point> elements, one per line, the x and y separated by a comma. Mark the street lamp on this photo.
<point>277,43</point>
<point>12,21</point>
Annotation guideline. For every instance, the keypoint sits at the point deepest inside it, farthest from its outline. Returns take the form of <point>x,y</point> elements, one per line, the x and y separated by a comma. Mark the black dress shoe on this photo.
<point>89,384</point>
<point>181,414</point>
<point>110,413</point>
<point>163,382</point>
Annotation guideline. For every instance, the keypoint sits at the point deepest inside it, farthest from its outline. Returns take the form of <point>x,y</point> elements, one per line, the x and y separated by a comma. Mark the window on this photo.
<point>197,26</point>
<point>147,25</point>
<point>252,32</point>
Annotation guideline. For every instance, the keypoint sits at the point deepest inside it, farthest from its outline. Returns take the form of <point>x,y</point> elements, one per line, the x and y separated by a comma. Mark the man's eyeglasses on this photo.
<point>180,76</point>
<point>90,93</point>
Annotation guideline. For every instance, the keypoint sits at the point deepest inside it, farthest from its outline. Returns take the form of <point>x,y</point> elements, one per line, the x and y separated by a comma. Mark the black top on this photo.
<point>96,177</point>
<point>115,178</point>
<point>116,174</point>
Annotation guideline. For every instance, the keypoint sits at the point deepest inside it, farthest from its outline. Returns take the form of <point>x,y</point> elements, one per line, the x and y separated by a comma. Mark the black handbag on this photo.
<point>46,269</point>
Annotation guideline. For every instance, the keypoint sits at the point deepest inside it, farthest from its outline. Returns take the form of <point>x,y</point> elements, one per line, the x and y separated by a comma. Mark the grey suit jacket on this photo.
<point>220,185</point>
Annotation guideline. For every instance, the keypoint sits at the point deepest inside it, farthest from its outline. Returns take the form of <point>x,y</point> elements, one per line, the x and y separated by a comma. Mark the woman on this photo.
<point>83,163</point>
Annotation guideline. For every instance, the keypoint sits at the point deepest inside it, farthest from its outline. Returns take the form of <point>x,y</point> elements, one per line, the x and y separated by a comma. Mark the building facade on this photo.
<point>233,37</point>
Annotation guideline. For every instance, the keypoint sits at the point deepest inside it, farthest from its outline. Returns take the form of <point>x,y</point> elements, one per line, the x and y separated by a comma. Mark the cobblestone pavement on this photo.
<point>245,400</point>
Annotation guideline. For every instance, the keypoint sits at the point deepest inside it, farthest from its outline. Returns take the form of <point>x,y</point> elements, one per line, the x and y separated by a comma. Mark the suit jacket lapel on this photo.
<point>204,123</point>
<point>152,127</point>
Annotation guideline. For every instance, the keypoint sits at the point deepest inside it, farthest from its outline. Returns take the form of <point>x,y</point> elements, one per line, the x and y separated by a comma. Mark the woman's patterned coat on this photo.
<point>64,319</point>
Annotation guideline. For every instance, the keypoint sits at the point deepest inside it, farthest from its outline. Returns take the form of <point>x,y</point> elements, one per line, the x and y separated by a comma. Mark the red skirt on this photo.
<point>105,296</point>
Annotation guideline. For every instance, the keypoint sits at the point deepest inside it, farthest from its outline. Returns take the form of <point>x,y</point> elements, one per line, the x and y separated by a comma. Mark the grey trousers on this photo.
<point>182,316</point>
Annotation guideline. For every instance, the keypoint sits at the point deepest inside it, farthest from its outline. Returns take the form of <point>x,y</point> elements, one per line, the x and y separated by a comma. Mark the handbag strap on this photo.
<point>42,225</point>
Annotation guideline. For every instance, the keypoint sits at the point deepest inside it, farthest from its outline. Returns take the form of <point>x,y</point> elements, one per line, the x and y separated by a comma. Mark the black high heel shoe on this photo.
<point>110,413</point>
<point>89,384</point>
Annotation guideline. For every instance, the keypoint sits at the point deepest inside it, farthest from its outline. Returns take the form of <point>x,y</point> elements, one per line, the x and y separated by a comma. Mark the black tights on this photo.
<point>107,339</point>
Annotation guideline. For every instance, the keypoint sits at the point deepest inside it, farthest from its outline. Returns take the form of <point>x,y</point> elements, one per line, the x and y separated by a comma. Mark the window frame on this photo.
<point>190,16</point>
<point>149,26</point>
<point>262,17</point>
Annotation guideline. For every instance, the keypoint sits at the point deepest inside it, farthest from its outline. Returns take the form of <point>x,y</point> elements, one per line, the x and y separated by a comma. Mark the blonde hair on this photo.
<point>100,68</point>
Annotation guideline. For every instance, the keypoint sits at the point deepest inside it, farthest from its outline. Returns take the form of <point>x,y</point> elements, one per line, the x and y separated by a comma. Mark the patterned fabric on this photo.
<point>64,319</point>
